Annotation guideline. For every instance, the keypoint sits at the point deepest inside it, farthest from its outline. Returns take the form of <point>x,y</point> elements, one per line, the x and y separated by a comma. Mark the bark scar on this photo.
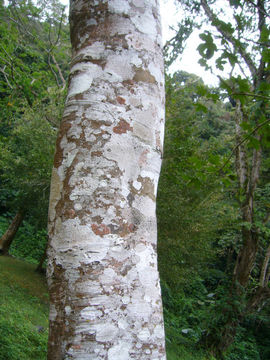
<point>122,127</point>
<point>100,229</point>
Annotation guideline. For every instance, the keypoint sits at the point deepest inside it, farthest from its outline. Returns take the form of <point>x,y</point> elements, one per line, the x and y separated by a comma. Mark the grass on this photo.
<point>23,311</point>
<point>180,352</point>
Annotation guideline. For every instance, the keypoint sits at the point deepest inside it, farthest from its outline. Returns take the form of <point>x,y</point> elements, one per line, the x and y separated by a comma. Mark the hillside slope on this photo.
<point>23,311</point>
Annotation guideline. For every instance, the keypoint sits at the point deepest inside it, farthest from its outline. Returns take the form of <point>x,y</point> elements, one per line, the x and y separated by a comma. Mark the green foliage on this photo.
<point>31,37</point>
<point>199,225</point>
<point>244,347</point>
<point>190,191</point>
<point>208,47</point>
<point>3,225</point>
<point>29,243</point>
<point>31,344</point>
<point>193,210</point>
<point>23,315</point>
<point>35,52</point>
<point>183,316</point>
<point>26,158</point>
<point>184,353</point>
<point>177,44</point>
<point>236,38</point>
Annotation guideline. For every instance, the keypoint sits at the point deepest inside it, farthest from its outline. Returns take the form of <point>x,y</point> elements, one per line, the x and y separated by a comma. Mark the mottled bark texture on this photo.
<point>102,267</point>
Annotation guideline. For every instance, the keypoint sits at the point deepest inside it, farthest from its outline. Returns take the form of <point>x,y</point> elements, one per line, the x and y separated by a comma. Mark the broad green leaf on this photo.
<point>254,143</point>
<point>201,107</point>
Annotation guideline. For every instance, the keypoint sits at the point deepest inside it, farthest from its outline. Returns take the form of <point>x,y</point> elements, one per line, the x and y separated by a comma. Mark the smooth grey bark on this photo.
<point>105,300</point>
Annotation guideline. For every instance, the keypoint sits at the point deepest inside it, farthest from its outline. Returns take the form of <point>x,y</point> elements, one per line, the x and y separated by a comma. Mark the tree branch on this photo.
<point>263,276</point>
<point>262,11</point>
<point>240,152</point>
<point>252,95</point>
<point>215,21</point>
<point>6,77</point>
<point>259,299</point>
<point>59,72</point>
<point>53,72</point>
<point>255,170</point>
<point>241,142</point>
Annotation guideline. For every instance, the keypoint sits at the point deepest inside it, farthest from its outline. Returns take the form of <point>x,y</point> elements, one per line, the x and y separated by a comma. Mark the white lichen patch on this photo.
<point>139,309</point>
<point>119,253</point>
<point>75,130</point>
<point>94,51</point>
<point>105,332</point>
<point>119,351</point>
<point>123,324</point>
<point>78,206</point>
<point>108,277</point>
<point>147,267</point>
<point>67,310</point>
<point>138,3</point>
<point>139,42</point>
<point>156,71</point>
<point>89,288</point>
<point>159,331</point>
<point>144,335</point>
<point>135,59</point>
<point>144,204</point>
<point>73,235</point>
<point>121,27</point>
<point>105,300</point>
<point>119,6</point>
<point>90,313</point>
<point>99,113</point>
<point>135,101</point>
<point>125,300</point>
<point>146,23</point>
<point>70,157</point>
<point>131,276</point>
<point>137,185</point>
<point>85,74</point>
<point>123,72</point>
<point>144,132</point>
<point>103,183</point>
<point>81,83</point>
<point>84,38</point>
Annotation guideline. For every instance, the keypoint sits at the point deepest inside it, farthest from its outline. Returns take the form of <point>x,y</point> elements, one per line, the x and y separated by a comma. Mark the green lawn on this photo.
<point>23,311</point>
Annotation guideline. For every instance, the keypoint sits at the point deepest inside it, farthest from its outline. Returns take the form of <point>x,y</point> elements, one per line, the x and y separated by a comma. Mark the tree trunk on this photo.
<point>8,236</point>
<point>102,264</point>
<point>40,268</point>
<point>248,170</point>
